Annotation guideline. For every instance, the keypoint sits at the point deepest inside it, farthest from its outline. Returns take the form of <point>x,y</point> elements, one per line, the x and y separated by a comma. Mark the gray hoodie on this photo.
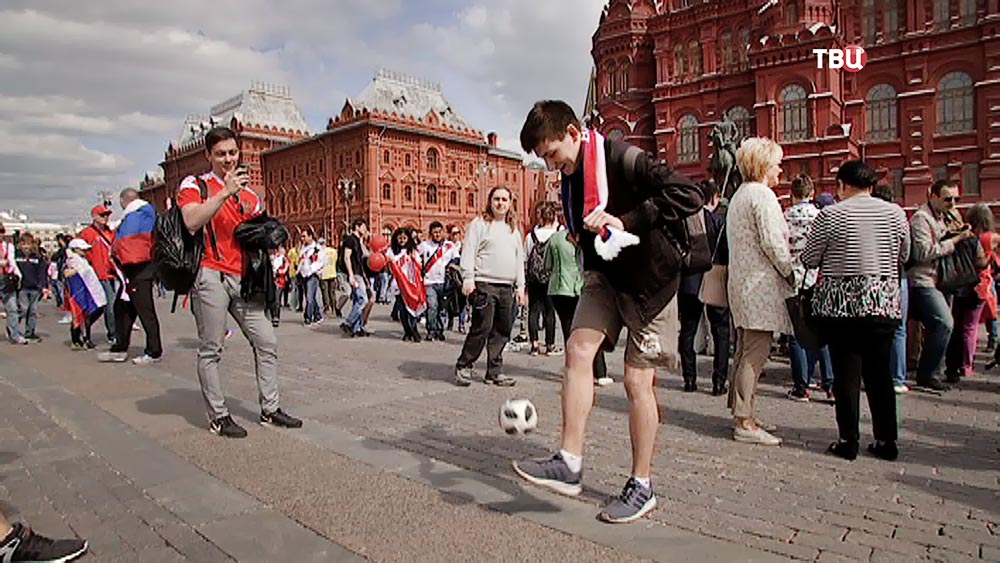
<point>493,253</point>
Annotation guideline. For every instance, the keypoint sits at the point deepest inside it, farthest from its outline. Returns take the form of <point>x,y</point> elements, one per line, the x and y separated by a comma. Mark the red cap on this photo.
<point>100,210</point>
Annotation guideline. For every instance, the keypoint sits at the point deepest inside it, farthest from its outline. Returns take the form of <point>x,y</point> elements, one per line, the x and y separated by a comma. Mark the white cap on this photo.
<point>79,244</point>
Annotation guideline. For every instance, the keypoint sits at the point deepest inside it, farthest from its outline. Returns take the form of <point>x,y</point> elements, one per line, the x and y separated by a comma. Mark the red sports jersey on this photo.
<point>230,216</point>
<point>100,253</point>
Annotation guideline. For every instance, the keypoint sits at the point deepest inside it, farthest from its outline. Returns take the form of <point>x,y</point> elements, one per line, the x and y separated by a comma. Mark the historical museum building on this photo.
<point>397,155</point>
<point>925,106</point>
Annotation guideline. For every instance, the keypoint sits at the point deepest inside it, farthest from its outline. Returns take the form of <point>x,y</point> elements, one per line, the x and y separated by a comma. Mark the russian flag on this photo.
<point>86,296</point>
<point>134,237</point>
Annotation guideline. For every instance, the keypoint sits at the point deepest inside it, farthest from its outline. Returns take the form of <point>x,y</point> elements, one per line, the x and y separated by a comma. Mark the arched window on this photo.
<point>728,54</point>
<point>694,58</point>
<point>744,45</point>
<point>880,113</point>
<point>432,195</point>
<point>795,124</point>
<point>453,198</point>
<point>610,78</point>
<point>687,141</point>
<point>408,193</point>
<point>967,10</point>
<point>869,21</point>
<point>791,13</point>
<point>432,159</point>
<point>406,160</point>
<point>956,103</point>
<point>386,158</point>
<point>740,116</point>
<point>680,63</point>
<point>471,201</point>
<point>386,192</point>
<point>623,78</point>
<point>891,17</point>
<point>942,14</point>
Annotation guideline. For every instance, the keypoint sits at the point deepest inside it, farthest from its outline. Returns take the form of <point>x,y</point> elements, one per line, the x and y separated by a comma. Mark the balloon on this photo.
<point>377,261</point>
<point>378,243</point>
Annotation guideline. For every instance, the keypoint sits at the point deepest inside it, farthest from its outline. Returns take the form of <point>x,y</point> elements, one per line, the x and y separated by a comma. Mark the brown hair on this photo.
<point>511,213</point>
<point>936,187</point>
<point>547,121</point>
<point>802,186</point>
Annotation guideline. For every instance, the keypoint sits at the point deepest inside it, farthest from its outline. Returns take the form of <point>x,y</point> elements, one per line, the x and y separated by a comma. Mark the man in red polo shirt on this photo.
<point>216,292</point>
<point>101,238</point>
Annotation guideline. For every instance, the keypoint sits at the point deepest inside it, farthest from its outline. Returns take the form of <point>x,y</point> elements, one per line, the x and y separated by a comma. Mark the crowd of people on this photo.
<point>844,280</point>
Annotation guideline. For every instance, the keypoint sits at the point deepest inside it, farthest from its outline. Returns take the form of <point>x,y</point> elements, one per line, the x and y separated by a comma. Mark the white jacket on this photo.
<point>312,261</point>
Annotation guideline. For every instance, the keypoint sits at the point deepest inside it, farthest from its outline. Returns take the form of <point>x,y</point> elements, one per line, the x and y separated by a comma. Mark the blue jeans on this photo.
<point>929,306</point>
<point>435,295</point>
<point>28,301</point>
<point>359,297</point>
<point>312,304</point>
<point>13,319</point>
<point>897,356</point>
<point>111,292</point>
<point>383,287</point>
<point>803,362</point>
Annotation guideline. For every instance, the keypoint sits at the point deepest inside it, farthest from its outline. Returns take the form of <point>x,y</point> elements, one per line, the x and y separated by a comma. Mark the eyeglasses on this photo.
<point>953,199</point>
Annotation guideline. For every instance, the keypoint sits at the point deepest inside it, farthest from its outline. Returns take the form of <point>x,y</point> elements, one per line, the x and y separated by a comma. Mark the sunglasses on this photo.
<point>954,199</point>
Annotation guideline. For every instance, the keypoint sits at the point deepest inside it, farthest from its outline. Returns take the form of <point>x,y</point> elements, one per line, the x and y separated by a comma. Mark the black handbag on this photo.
<point>804,324</point>
<point>10,283</point>
<point>957,271</point>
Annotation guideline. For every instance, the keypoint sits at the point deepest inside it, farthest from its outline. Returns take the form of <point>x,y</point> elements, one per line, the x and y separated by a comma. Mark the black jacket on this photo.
<point>258,237</point>
<point>652,208</point>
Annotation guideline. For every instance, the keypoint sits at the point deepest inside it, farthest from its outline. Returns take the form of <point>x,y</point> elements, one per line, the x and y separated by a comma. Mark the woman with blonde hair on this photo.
<point>760,272</point>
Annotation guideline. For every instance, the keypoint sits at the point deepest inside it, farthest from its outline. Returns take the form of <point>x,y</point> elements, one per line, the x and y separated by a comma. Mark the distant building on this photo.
<point>16,222</point>
<point>398,155</point>
<point>265,116</point>
<point>926,105</point>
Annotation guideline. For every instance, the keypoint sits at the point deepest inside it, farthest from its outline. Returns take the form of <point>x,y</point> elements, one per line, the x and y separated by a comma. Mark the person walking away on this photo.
<point>406,265</point>
<point>101,239</point>
<point>760,276</point>
<point>691,309</point>
<point>493,277</point>
<point>537,279</point>
<point>562,259</point>
<point>968,304</point>
<point>799,218</point>
<point>860,246</point>
<point>216,292</point>
<point>436,254</point>
<point>133,250</point>
<point>627,207</point>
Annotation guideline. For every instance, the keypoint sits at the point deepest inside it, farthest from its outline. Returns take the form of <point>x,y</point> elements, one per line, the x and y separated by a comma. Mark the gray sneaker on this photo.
<point>463,377</point>
<point>552,473</point>
<point>633,503</point>
<point>112,357</point>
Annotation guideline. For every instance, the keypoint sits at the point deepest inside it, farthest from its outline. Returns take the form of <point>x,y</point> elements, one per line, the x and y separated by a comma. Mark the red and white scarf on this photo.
<point>405,267</point>
<point>595,196</point>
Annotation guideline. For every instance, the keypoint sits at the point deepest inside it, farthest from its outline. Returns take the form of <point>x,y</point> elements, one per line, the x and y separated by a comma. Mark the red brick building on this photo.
<point>926,105</point>
<point>398,155</point>
<point>265,116</point>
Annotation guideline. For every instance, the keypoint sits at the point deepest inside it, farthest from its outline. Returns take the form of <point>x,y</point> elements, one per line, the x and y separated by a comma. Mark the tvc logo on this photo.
<point>851,58</point>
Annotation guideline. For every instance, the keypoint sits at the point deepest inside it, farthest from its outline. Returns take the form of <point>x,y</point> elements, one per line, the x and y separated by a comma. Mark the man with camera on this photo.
<point>216,292</point>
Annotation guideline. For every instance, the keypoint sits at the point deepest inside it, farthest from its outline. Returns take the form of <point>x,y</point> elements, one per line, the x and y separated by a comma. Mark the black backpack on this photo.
<point>691,240</point>
<point>176,252</point>
<point>535,271</point>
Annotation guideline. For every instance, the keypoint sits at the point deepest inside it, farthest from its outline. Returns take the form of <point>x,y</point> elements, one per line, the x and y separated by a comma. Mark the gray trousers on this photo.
<point>214,296</point>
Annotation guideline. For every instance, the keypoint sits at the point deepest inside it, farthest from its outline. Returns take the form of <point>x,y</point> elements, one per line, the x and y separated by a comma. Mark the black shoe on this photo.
<point>280,419</point>
<point>360,333</point>
<point>23,545</point>
<point>690,386</point>
<point>33,337</point>
<point>953,378</point>
<point>884,450</point>
<point>346,328</point>
<point>89,344</point>
<point>933,383</point>
<point>225,426</point>
<point>275,323</point>
<point>845,450</point>
<point>719,389</point>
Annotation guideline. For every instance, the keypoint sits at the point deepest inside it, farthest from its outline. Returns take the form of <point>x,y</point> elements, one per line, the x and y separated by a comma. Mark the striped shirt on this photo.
<point>861,236</point>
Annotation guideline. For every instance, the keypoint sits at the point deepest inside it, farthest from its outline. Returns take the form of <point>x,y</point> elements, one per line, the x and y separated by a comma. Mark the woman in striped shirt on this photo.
<point>860,246</point>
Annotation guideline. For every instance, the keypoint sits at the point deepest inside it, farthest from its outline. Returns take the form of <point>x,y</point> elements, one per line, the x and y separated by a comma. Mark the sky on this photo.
<point>92,92</point>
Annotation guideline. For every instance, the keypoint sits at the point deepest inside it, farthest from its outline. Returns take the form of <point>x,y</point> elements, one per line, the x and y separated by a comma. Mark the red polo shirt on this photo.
<point>230,216</point>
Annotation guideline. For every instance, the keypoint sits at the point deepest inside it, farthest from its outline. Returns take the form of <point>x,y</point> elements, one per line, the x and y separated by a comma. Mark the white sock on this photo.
<point>643,482</point>
<point>575,462</point>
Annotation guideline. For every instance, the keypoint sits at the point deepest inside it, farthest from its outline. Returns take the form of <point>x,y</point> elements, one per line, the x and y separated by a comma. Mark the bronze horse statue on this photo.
<point>725,138</point>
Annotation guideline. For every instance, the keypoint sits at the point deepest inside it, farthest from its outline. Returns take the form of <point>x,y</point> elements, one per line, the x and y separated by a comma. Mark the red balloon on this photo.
<point>378,243</point>
<point>377,261</point>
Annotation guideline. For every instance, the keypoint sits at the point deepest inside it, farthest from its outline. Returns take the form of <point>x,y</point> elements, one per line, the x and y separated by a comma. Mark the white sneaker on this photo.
<point>901,389</point>
<point>757,436</point>
<point>112,357</point>
<point>67,318</point>
<point>604,381</point>
<point>144,360</point>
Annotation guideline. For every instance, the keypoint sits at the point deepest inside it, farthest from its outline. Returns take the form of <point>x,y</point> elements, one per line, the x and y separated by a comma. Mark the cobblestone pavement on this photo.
<point>940,501</point>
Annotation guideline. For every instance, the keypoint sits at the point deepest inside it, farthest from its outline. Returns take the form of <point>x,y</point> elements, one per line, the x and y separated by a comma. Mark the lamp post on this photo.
<point>348,186</point>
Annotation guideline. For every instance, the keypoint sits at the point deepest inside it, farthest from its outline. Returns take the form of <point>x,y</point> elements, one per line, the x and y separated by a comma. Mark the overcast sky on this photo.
<point>91,92</point>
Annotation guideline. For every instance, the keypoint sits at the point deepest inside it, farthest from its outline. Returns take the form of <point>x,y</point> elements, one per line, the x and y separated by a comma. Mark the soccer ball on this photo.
<point>518,416</point>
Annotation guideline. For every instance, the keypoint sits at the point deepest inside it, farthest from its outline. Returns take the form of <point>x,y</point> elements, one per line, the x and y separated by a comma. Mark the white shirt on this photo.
<point>446,251</point>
